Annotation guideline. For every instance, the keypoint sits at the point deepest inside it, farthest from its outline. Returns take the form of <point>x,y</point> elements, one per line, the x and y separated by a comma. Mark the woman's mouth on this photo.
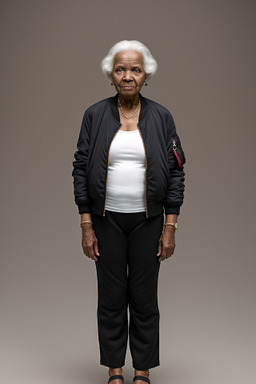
<point>127,87</point>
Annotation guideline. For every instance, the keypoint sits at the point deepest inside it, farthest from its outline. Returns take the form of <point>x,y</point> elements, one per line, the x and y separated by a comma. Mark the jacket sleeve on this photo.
<point>176,161</point>
<point>82,198</point>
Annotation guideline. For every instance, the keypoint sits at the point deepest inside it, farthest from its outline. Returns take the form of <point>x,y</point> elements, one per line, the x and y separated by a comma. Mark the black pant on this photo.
<point>127,271</point>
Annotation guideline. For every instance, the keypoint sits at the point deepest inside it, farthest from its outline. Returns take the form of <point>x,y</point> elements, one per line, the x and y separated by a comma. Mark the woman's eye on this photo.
<point>119,69</point>
<point>136,70</point>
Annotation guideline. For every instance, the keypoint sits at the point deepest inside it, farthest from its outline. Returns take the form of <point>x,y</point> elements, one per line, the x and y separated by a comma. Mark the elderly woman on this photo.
<point>128,171</point>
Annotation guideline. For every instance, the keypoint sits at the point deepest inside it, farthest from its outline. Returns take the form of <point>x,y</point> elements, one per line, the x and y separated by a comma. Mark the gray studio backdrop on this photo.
<point>50,72</point>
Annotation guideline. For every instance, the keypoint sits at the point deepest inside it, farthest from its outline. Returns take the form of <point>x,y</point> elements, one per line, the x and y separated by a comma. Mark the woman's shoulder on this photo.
<point>98,106</point>
<point>157,107</point>
<point>160,110</point>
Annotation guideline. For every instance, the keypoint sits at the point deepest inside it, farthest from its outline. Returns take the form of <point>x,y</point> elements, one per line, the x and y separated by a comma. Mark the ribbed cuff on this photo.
<point>172,210</point>
<point>84,208</point>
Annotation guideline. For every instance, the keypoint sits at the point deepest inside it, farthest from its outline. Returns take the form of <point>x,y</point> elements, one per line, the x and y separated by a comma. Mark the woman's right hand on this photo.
<point>90,242</point>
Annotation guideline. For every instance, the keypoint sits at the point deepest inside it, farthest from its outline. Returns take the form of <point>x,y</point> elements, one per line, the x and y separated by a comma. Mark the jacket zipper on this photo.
<point>174,147</point>
<point>104,210</point>
<point>146,171</point>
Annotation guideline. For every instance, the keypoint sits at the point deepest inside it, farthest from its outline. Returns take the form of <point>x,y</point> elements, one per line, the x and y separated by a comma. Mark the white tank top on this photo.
<point>126,173</point>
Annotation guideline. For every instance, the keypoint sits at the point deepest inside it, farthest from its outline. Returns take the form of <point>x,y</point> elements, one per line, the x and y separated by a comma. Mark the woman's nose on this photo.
<point>128,76</point>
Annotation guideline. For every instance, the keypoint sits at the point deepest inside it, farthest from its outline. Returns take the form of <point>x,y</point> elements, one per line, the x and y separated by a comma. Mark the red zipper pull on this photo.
<point>174,147</point>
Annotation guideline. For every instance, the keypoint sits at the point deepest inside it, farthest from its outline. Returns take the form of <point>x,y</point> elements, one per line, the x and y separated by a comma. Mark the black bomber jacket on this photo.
<point>164,157</point>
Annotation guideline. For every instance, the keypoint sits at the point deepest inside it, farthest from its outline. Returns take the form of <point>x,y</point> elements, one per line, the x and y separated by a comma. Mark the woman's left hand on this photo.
<point>166,243</point>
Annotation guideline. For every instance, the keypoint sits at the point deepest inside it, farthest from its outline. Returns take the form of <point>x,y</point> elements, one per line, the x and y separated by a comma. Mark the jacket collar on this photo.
<point>114,109</point>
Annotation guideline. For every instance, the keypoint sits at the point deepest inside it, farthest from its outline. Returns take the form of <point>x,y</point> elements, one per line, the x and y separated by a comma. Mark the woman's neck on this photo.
<point>129,102</point>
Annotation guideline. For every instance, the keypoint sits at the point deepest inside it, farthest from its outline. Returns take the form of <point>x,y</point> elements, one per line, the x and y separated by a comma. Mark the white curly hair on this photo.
<point>150,64</point>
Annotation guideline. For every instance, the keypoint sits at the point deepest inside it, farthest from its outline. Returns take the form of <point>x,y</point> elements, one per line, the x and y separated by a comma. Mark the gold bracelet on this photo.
<point>175,225</point>
<point>85,222</point>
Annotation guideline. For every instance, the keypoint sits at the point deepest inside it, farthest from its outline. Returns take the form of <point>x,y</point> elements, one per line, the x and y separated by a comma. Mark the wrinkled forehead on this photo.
<point>129,57</point>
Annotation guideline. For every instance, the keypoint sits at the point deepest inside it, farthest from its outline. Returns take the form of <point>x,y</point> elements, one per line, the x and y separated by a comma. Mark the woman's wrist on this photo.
<point>171,225</point>
<point>171,222</point>
<point>171,218</point>
<point>86,220</point>
<point>85,223</point>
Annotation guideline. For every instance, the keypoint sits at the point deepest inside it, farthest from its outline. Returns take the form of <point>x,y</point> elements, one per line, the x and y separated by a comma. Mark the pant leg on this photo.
<point>142,293</point>
<point>112,291</point>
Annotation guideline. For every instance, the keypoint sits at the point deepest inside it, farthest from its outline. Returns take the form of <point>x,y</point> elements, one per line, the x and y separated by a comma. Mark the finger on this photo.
<point>93,257</point>
<point>163,255</point>
<point>92,254</point>
<point>161,259</point>
<point>86,251</point>
<point>86,254</point>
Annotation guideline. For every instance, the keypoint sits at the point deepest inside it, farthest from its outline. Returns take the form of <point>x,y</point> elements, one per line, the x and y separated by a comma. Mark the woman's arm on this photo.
<point>82,199</point>
<point>80,164</point>
<point>176,160</point>
<point>175,191</point>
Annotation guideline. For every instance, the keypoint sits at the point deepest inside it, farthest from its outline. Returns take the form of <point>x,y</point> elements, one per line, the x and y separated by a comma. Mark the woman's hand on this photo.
<point>166,243</point>
<point>90,242</point>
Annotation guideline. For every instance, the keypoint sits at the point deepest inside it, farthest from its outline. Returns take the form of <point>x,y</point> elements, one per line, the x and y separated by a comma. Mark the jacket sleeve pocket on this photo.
<point>176,153</point>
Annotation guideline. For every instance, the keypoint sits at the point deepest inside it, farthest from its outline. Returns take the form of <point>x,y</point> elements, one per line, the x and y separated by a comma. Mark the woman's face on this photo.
<point>128,73</point>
